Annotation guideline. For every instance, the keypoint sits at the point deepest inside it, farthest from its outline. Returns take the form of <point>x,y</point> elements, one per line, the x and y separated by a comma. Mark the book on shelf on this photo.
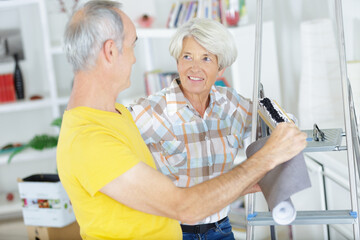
<point>7,88</point>
<point>170,15</point>
<point>157,80</point>
<point>178,13</point>
<point>182,11</point>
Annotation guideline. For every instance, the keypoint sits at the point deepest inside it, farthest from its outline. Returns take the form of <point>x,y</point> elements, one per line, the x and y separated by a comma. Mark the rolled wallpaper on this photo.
<point>281,183</point>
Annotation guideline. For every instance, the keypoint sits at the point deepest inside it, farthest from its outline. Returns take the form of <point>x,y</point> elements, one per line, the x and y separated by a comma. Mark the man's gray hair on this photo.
<point>210,34</point>
<point>87,30</point>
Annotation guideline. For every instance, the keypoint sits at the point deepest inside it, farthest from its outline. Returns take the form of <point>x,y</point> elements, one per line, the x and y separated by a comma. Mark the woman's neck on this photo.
<point>199,102</point>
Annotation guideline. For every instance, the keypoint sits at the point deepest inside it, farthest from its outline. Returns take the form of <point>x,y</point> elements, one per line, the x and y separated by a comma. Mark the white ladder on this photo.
<point>347,216</point>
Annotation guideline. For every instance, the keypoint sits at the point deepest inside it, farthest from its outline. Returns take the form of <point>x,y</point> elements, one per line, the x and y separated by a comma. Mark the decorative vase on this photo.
<point>18,79</point>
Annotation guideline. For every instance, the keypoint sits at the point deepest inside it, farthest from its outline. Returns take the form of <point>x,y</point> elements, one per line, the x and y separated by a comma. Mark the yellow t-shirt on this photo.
<point>94,148</point>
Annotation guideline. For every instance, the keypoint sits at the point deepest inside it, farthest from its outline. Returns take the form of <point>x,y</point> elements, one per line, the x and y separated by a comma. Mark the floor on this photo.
<point>13,229</point>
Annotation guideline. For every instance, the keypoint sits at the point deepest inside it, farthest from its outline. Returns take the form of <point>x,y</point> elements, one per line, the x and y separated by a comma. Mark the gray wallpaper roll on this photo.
<point>280,183</point>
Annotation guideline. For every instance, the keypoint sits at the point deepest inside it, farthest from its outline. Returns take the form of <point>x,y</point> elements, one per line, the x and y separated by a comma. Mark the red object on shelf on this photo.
<point>7,89</point>
<point>9,197</point>
<point>232,17</point>
<point>36,97</point>
<point>145,21</point>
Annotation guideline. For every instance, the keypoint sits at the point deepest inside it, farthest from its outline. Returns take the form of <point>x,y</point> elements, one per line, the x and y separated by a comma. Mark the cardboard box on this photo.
<point>70,232</point>
<point>45,202</point>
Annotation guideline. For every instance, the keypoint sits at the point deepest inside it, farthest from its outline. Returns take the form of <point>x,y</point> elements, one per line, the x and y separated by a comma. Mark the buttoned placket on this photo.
<point>207,132</point>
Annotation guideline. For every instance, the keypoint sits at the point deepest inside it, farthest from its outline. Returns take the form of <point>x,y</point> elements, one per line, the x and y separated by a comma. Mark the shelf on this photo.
<point>169,32</point>
<point>22,105</point>
<point>155,32</point>
<point>57,50</point>
<point>16,3</point>
<point>10,209</point>
<point>28,155</point>
<point>141,33</point>
<point>7,65</point>
<point>332,141</point>
<point>63,100</point>
<point>146,33</point>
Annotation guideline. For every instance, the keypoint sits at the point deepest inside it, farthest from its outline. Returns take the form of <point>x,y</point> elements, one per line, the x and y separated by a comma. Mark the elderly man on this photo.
<point>103,163</point>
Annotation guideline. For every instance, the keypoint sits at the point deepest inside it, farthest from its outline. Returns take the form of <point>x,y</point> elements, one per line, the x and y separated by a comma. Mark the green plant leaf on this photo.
<point>39,142</point>
<point>57,122</point>
<point>16,151</point>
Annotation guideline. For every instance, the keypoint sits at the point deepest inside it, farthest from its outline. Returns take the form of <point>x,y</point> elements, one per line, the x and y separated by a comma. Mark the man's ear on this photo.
<point>110,50</point>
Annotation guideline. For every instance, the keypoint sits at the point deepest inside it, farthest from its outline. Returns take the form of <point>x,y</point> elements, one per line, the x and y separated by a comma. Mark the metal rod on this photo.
<point>354,129</point>
<point>345,94</point>
<point>257,74</point>
<point>309,218</point>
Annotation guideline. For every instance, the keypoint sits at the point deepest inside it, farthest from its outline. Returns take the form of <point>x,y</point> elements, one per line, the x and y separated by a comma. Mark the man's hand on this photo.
<point>253,189</point>
<point>284,143</point>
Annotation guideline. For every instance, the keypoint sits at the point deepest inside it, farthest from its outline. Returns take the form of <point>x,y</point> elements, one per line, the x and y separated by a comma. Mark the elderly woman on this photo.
<point>193,128</point>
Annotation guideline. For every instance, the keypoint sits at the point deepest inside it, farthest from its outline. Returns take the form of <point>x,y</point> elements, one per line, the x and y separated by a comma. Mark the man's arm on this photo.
<point>147,190</point>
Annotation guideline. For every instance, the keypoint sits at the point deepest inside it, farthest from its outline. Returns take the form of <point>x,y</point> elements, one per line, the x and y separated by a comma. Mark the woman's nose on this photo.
<point>195,65</point>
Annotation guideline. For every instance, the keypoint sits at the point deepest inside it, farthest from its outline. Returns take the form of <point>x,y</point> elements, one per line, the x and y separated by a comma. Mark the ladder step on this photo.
<point>307,218</point>
<point>332,141</point>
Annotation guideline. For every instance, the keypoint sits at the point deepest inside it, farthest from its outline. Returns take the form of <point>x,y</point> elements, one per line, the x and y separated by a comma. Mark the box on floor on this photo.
<point>69,232</point>
<point>45,202</point>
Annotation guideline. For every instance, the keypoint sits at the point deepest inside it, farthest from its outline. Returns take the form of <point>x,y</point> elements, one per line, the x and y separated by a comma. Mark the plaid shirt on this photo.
<point>188,148</point>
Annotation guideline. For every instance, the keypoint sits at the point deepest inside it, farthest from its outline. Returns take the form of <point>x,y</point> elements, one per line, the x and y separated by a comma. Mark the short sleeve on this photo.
<point>102,158</point>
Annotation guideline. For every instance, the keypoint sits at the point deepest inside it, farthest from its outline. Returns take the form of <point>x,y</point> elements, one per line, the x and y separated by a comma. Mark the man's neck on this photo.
<point>91,89</point>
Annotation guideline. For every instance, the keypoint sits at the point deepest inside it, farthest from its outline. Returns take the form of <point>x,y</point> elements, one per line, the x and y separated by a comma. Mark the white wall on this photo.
<point>288,16</point>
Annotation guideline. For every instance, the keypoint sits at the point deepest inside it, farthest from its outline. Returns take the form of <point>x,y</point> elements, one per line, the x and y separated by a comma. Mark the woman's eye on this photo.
<point>207,59</point>
<point>187,57</point>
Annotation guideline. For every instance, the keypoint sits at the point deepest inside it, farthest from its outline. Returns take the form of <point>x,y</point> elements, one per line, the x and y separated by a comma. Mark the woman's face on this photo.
<point>197,67</point>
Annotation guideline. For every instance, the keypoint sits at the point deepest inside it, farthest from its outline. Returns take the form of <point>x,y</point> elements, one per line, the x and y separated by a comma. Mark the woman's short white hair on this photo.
<point>210,34</point>
<point>89,27</point>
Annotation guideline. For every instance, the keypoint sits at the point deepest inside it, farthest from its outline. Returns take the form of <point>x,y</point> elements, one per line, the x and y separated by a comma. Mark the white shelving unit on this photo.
<point>28,155</point>
<point>21,120</point>
<point>10,209</point>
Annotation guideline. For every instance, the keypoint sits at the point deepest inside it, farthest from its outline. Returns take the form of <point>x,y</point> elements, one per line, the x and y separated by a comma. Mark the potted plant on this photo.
<point>39,142</point>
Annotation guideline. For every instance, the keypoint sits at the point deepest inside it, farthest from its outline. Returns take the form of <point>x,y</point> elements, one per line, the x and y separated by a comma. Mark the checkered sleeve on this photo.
<point>247,117</point>
<point>141,112</point>
<point>242,117</point>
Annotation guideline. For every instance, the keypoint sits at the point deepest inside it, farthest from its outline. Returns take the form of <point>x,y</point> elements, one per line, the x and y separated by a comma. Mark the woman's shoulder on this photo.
<point>150,103</point>
<point>231,94</point>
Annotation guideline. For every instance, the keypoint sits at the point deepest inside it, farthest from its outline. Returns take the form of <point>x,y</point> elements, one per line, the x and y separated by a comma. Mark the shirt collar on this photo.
<point>176,100</point>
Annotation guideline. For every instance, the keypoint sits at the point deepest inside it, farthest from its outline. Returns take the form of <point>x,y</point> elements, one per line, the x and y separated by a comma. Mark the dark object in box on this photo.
<point>69,232</point>
<point>42,178</point>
